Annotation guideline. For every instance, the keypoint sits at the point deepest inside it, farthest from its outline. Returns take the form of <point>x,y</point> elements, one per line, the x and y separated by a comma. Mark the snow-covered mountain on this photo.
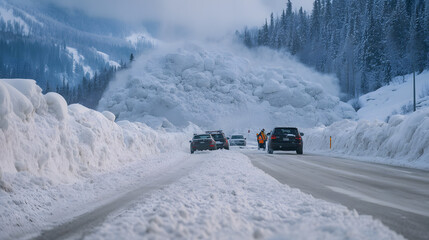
<point>57,45</point>
<point>228,88</point>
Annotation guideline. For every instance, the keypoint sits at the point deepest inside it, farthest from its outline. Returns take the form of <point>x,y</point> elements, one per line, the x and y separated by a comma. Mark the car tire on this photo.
<point>270,151</point>
<point>299,151</point>
<point>192,152</point>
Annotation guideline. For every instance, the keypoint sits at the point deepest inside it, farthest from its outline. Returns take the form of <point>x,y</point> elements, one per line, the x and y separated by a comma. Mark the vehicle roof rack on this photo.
<point>212,131</point>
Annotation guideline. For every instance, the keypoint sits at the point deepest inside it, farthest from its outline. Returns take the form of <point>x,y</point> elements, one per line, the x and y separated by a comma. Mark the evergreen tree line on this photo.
<point>52,66</point>
<point>89,91</point>
<point>23,57</point>
<point>364,42</point>
<point>26,56</point>
<point>38,49</point>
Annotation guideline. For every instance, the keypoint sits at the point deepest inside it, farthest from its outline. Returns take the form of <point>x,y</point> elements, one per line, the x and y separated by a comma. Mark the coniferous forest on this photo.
<point>364,42</point>
<point>64,51</point>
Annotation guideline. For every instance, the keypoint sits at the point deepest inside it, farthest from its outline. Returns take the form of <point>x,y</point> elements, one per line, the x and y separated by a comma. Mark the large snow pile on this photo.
<point>396,98</point>
<point>41,135</point>
<point>228,198</point>
<point>402,141</point>
<point>221,88</point>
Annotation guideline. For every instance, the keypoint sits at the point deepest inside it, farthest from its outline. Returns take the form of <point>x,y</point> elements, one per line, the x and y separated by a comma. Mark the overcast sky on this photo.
<point>203,18</point>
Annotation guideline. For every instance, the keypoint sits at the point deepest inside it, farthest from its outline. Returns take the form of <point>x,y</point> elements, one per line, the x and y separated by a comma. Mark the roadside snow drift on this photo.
<point>221,88</point>
<point>41,135</point>
<point>402,141</point>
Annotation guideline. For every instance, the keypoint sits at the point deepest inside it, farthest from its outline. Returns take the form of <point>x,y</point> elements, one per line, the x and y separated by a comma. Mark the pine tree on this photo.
<point>315,21</point>
<point>396,29</point>
<point>48,88</point>
<point>427,31</point>
<point>288,9</point>
<point>247,38</point>
<point>263,38</point>
<point>373,57</point>
<point>417,45</point>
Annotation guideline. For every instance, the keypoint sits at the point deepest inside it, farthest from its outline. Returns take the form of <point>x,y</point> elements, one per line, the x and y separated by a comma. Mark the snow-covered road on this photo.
<point>398,196</point>
<point>81,225</point>
<point>223,197</point>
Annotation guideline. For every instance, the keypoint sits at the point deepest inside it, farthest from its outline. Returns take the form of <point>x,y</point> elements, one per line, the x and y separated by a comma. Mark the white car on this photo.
<point>237,140</point>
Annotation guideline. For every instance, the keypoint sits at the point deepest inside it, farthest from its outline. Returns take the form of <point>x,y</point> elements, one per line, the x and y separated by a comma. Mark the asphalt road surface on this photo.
<point>397,196</point>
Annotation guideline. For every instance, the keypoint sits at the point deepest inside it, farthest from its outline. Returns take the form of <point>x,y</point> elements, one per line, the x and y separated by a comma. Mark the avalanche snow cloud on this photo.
<point>224,88</point>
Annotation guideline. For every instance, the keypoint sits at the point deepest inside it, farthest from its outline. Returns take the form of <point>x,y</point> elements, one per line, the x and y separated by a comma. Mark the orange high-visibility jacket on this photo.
<point>260,138</point>
<point>264,137</point>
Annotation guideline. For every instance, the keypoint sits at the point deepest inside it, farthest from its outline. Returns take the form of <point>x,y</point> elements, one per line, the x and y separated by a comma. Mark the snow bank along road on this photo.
<point>399,197</point>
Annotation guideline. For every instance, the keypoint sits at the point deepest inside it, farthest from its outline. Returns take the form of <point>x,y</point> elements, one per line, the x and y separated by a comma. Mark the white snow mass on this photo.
<point>223,88</point>
<point>402,141</point>
<point>41,135</point>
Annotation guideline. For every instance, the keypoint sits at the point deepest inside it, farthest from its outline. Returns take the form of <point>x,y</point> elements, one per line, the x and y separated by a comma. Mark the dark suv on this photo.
<point>219,137</point>
<point>285,139</point>
<point>202,142</point>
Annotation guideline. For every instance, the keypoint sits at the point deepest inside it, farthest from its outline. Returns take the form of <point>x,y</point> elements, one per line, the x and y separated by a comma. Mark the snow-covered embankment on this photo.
<point>41,135</point>
<point>402,141</point>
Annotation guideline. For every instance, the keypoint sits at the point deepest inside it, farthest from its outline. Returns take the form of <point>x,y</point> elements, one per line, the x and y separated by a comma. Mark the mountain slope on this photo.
<point>58,46</point>
<point>395,98</point>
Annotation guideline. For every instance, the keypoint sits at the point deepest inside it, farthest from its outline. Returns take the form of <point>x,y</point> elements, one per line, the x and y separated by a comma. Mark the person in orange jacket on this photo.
<point>262,138</point>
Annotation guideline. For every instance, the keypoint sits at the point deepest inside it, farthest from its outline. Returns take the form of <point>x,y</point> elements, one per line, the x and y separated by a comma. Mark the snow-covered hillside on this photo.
<point>223,88</point>
<point>142,38</point>
<point>7,17</point>
<point>42,136</point>
<point>395,98</point>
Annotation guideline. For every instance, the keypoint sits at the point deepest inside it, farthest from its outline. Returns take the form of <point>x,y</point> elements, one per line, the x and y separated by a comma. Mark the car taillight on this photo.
<point>226,140</point>
<point>298,138</point>
<point>273,137</point>
<point>212,145</point>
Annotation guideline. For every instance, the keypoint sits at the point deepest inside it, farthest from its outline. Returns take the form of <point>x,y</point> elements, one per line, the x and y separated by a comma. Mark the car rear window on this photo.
<point>285,131</point>
<point>201,136</point>
<point>218,136</point>
<point>237,137</point>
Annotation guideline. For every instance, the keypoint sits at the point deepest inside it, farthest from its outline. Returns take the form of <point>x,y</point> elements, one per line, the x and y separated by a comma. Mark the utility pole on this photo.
<point>414,89</point>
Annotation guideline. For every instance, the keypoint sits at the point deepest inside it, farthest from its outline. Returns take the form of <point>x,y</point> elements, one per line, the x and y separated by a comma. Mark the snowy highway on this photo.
<point>206,195</point>
<point>399,197</point>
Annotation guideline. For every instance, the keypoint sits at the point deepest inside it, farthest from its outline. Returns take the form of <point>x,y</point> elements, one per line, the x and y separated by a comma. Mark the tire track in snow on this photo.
<point>81,225</point>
